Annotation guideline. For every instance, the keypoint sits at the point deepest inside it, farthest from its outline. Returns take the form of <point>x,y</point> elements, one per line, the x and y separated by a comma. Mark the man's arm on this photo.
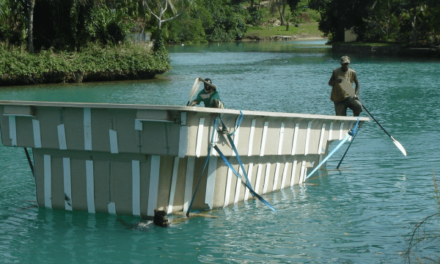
<point>358,86</point>
<point>207,83</point>
<point>193,103</point>
<point>333,80</point>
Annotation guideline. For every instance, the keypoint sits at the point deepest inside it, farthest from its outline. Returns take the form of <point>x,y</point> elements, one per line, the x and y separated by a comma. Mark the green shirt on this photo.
<point>207,98</point>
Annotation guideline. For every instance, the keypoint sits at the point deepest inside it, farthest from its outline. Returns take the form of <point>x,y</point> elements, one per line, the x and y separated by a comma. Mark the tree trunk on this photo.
<point>281,3</point>
<point>141,8</point>
<point>252,3</point>
<point>30,44</point>
<point>414,30</point>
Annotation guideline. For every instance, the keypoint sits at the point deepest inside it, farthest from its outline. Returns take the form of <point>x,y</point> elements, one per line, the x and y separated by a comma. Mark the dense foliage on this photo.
<point>124,59</point>
<point>415,22</point>
<point>211,21</point>
<point>71,24</point>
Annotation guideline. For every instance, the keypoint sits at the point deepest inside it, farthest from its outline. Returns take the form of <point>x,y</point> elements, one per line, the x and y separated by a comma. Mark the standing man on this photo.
<point>343,95</point>
<point>209,95</point>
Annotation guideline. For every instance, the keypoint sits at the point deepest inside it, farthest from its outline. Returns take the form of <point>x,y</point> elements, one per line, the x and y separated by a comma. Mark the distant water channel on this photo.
<point>361,214</point>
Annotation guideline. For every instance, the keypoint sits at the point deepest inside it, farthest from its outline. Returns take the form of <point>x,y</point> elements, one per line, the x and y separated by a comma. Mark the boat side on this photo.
<point>133,159</point>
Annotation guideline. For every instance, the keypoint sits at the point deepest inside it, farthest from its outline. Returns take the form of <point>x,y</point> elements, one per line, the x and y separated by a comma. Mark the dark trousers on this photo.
<point>352,103</point>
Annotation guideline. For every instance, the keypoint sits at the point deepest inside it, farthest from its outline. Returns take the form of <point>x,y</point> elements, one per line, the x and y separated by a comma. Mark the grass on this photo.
<point>303,29</point>
<point>366,44</point>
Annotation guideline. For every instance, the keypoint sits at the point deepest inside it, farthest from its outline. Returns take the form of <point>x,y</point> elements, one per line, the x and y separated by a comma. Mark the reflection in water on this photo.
<point>357,215</point>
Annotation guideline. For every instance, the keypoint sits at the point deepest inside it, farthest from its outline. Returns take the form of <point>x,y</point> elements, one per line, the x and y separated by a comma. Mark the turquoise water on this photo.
<point>362,214</point>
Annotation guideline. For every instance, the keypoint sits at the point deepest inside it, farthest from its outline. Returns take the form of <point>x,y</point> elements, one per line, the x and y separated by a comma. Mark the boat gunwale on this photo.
<point>179,108</point>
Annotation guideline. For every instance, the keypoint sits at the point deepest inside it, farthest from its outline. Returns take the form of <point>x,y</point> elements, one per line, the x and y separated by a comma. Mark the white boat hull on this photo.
<point>133,159</point>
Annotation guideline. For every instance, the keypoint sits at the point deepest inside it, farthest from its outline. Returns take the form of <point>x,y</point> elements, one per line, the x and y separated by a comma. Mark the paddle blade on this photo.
<point>194,89</point>
<point>399,146</point>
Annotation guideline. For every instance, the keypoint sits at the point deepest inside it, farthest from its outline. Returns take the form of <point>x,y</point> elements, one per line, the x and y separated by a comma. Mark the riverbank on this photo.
<point>302,31</point>
<point>92,64</point>
<point>385,49</point>
<point>283,37</point>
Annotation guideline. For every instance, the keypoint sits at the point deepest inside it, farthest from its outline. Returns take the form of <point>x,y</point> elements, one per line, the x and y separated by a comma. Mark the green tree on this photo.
<point>159,8</point>
<point>288,17</point>
<point>340,15</point>
<point>383,20</point>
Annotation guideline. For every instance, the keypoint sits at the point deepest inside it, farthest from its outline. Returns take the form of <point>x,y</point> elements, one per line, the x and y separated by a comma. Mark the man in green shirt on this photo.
<point>343,95</point>
<point>209,95</point>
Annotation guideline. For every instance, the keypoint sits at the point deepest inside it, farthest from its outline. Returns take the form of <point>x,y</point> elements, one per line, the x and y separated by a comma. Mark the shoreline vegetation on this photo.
<point>90,40</point>
<point>94,63</point>
<point>386,49</point>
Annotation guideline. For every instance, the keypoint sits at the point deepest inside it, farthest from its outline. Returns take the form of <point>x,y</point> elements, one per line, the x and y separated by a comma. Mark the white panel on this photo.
<point>277,173</point>
<point>251,137</point>
<point>295,138</point>
<point>303,173</point>
<point>189,182</point>
<point>47,181</point>
<point>200,136</point>
<point>292,179</point>
<point>228,187</point>
<point>138,125</point>
<point>330,132</point>
<point>183,137</point>
<point>136,187</point>
<point>111,207</point>
<point>154,185</point>
<point>215,141</point>
<point>62,136</point>
<point>37,135</point>
<point>266,178</point>
<point>87,129</point>
<point>246,194</point>
<point>280,145</point>
<point>90,186</point>
<point>341,128</point>
<point>321,139</point>
<point>210,182</point>
<point>283,181</point>
<point>183,118</point>
<point>173,185</point>
<point>238,187</point>
<point>263,139</point>
<point>257,183</point>
<point>183,141</point>
<point>12,131</point>
<point>306,149</point>
<point>236,135</point>
<point>113,135</point>
<point>67,184</point>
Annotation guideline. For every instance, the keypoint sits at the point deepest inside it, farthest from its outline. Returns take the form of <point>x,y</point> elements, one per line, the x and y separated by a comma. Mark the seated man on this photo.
<point>209,95</point>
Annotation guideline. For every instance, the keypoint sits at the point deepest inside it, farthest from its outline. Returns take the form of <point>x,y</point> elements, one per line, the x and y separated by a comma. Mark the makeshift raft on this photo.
<point>132,159</point>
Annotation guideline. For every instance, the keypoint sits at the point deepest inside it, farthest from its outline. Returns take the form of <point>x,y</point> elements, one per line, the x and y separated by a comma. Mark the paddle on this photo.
<point>343,156</point>
<point>194,89</point>
<point>351,133</point>
<point>397,143</point>
<point>29,160</point>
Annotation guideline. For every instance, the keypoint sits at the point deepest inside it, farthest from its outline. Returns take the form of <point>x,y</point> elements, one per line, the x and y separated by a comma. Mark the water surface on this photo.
<point>361,214</point>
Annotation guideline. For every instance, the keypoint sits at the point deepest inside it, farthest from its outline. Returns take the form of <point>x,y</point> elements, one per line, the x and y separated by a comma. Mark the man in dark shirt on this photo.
<point>209,95</point>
